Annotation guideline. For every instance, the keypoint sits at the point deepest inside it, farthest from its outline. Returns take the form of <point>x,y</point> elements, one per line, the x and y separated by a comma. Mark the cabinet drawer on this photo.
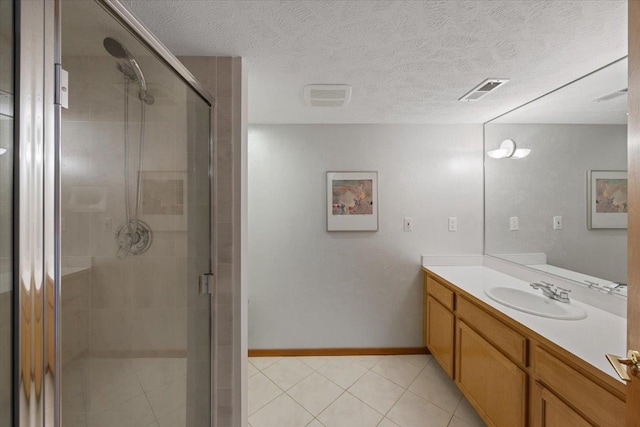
<point>596,403</point>
<point>502,336</point>
<point>440,292</point>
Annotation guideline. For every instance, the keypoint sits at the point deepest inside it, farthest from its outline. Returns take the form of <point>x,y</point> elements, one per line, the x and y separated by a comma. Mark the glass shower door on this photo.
<point>6,207</point>
<point>135,206</point>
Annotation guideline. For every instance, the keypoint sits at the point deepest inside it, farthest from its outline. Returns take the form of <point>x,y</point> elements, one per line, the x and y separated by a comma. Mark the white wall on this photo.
<point>552,181</point>
<point>310,288</point>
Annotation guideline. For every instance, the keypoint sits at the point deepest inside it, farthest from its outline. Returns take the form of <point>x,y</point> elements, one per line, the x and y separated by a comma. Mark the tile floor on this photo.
<point>354,391</point>
<point>123,392</point>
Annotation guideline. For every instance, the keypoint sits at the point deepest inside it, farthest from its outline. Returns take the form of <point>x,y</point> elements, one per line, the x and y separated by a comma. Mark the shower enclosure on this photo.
<point>109,277</point>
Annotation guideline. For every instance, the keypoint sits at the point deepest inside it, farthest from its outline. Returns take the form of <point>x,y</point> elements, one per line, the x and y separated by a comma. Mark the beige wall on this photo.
<point>222,77</point>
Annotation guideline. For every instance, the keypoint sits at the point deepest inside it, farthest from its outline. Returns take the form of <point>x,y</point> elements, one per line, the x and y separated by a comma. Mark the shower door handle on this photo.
<point>206,284</point>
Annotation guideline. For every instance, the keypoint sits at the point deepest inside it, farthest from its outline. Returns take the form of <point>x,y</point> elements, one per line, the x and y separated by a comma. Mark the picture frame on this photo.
<point>607,202</point>
<point>163,201</point>
<point>352,201</point>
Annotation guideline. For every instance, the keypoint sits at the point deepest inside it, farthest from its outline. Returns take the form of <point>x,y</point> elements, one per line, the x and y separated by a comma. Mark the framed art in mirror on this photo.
<point>606,199</point>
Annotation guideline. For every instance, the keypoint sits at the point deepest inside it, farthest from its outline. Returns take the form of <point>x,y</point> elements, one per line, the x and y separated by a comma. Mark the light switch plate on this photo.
<point>557,223</point>
<point>408,223</point>
<point>513,223</point>
<point>453,223</point>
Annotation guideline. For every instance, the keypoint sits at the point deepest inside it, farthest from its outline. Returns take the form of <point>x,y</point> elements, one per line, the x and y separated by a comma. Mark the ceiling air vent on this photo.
<point>327,95</point>
<point>612,95</point>
<point>483,89</point>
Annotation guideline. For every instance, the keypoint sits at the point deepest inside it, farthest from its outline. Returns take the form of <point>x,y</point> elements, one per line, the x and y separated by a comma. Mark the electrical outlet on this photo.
<point>408,223</point>
<point>513,223</point>
<point>453,223</point>
<point>557,223</point>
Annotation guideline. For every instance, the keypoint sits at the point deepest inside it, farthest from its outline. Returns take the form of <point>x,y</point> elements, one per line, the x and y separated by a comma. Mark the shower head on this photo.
<point>128,66</point>
<point>115,48</point>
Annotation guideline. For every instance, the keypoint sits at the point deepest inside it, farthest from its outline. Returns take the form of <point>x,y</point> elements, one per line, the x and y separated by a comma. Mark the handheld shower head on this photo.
<point>115,48</point>
<point>128,66</point>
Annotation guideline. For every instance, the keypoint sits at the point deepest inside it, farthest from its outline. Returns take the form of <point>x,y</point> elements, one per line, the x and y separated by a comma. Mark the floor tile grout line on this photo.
<point>329,404</point>
<point>347,389</point>
<point>450,413</point>
<point>278,387</point>
<point>283,390</point>
<point>328,379</point>
<point>433,403</point>
<point>155,417</point>
<point>290,397</point>
<point>406,390</point>
<point>327,407</point>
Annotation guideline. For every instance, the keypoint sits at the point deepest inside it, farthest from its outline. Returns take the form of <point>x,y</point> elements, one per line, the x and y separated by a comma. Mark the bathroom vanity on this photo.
<point>516,368</point>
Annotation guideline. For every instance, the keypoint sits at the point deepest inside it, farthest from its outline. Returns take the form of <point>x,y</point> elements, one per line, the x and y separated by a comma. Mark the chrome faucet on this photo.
<point>549,290</point>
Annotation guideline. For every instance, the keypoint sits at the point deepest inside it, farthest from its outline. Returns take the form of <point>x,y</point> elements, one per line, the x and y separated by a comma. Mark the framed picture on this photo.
<point>164,200</point>
<point>352,201</point>
<point>607,201</point>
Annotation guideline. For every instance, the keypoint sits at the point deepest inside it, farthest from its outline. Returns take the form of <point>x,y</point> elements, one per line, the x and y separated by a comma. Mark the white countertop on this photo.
<point>589,339</point>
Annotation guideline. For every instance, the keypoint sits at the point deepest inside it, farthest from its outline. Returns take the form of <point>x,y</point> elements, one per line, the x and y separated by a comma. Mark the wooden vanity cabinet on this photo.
<point>510,375</point>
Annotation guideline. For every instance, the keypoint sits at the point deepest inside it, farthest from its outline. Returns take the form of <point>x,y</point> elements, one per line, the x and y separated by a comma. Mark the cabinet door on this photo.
<point>549,411</point>
<point>440,333</point>
<point>491,382</point>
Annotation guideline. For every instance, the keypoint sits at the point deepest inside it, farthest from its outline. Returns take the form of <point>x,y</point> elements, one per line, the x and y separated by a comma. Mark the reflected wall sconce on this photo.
<point>2,151</point>
<point>508,150</point>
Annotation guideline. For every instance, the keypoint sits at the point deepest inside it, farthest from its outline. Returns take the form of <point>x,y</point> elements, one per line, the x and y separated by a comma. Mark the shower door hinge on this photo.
<point>61,87</point>
<point>207,284</point>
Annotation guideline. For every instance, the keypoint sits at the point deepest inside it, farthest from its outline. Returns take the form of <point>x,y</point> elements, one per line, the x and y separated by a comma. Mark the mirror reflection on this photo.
<point>561,206</point>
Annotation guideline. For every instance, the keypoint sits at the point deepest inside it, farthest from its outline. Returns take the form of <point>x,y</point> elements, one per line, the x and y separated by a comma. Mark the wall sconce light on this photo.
<point>508,150</point>
<point>2,151</point>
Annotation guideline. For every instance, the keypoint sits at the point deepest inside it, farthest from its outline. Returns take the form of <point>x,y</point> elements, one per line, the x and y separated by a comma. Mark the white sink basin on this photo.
<point>535,304</point>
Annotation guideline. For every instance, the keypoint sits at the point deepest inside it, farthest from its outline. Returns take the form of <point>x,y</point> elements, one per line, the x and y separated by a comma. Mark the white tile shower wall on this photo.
<point>220,75</point>
<point>311,288</point>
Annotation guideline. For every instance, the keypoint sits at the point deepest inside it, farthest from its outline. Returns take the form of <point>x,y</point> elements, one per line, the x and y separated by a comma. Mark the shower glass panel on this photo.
<point>135,232</point>
<point>6,207</point>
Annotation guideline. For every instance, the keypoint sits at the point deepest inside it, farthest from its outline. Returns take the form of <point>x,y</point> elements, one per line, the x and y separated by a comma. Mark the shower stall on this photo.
<point>106,241</point>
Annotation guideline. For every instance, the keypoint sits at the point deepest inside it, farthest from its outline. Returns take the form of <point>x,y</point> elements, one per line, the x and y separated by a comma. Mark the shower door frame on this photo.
<point>37,255</point>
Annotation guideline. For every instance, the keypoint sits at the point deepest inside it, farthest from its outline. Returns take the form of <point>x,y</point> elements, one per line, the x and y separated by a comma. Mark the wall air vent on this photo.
<point>327,95</point>
<point>612,95</point>
<point>483,89</point>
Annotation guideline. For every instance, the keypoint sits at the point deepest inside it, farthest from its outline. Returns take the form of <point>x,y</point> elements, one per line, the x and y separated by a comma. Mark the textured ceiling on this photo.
<point>408,61</point>
<point>575,103</point>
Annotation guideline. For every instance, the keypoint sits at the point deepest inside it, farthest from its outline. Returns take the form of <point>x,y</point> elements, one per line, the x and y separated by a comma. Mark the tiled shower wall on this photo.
<point>136,306</point>
<point>222,76</point>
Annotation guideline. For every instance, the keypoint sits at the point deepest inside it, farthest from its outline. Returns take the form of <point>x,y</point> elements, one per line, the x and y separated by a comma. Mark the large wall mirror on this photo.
<point>561,206</point>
